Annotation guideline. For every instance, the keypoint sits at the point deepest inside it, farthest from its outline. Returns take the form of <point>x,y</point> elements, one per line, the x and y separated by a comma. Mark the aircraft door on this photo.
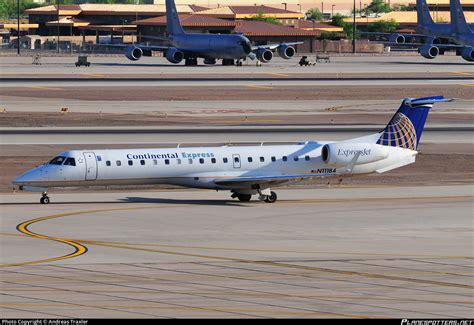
<point>236,161</point>
<point>91,166</point>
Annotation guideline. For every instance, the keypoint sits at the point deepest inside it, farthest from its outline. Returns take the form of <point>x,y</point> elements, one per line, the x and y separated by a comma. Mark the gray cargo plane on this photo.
<point>435,39</point>
<point>211,47</point>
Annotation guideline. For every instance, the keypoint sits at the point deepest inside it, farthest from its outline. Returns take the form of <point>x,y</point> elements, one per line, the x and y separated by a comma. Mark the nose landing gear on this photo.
<point>44,198</point>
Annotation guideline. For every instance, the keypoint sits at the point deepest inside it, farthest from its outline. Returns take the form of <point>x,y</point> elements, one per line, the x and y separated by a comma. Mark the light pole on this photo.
<point>332,10</point>
<point>299,5</point>
<point>57,45</point>
<point>18,27</point>
<point>285,4</point>
<point>322,8</point>
<point>354,29</point>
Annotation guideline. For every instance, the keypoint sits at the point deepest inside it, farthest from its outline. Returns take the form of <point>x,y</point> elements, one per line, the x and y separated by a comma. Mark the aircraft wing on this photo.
<point>267,180</point>
<point>274,46</point>
<point>441,46</point>
<point>141,46</point>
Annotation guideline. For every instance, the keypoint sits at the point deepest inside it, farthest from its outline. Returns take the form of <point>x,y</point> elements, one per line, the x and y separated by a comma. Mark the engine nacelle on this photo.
<point>174,55</point>
<point>396,38</point>
<point>133,53</point>
<point>341,154</point>
<point>429,51</point>
<point>286,51</point>
<point>264,55</point>
<point>432,41</point>
<point>467,54</point>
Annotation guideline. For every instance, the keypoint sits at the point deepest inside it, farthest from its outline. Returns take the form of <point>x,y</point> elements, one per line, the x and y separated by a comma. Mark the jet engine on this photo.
<point>286,51</point>
<point>396,38</point>
<point>432,40</point>
<point>342,154</point>
<point>467,53</point>
<point>133,53</point>
<point>174,55</point>
<point>429,51</point>
<point>264,55</point>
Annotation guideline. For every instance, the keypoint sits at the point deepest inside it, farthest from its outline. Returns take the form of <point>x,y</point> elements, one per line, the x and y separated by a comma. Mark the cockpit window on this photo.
<point>57,160</point>
<point>70,162</point>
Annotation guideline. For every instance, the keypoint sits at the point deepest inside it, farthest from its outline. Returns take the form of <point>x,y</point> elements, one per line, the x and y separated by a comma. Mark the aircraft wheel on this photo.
<point>271,198</point>
<point>244,197</point>
<point>44,200</point>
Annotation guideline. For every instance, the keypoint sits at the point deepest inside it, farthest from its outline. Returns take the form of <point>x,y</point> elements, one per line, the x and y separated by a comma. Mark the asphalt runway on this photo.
<point>402,252</point>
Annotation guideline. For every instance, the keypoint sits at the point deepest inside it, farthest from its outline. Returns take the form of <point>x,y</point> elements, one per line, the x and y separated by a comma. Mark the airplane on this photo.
<point>245,170</point>
<point>435,39</point>
<point>190,47</point>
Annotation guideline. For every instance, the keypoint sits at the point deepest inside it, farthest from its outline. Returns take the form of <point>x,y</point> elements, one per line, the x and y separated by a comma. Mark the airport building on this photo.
<point>86,22</point>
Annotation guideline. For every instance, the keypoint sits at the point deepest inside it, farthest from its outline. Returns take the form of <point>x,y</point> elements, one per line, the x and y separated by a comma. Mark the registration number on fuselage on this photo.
<point>324,171</point>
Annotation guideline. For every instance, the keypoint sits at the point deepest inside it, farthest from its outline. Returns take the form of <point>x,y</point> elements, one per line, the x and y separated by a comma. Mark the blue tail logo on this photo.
<point>406,126</point>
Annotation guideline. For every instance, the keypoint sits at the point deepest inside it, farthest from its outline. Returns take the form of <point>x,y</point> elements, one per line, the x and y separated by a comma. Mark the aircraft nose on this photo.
<point>246,46</point>
<point>31,176</point>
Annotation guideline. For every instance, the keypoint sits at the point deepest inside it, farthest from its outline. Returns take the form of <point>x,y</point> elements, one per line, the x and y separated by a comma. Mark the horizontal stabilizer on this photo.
<point>413,102</point>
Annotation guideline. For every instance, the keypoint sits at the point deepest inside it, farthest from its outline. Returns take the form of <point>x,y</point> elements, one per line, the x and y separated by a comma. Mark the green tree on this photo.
<point>383,26</point>
<point>378,7</point>
<point>348,29</point>
<point>8,8</point>
<point>338,20</point>
<point>314,14</point>
<point>261,17</point>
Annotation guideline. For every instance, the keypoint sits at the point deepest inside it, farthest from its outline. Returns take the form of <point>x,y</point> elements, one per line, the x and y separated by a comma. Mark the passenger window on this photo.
<point>274,158</point>
<point>107,163</point>
<point>262,159</point>
<point>70,162</point>
<point>285,158</point>
<point>306,158</point>
<point>225,160</point>
<point>201,160</point>
<point>213,160</point>
<point>155,162</point>
<point>57,160</point>
<point>190,161</point>
<point>236,159</point>
<point>119,163</point>
<point>142,162</point>
<point>296,158</point>
<point>167,161</point>
<point>249,159</point>
<point>178,161</point>
<point>130,162</point>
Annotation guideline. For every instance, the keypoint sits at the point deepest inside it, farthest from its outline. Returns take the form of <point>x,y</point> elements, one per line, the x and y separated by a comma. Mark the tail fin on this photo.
<point>458,20</point>
<point>423,13</point>
<point>173,26</point>
<point>406,126</point>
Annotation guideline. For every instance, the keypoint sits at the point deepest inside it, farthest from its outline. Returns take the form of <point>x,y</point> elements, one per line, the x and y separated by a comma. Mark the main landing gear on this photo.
<point>268,196</point>
<point>191,62</point>
<point>44,198</point>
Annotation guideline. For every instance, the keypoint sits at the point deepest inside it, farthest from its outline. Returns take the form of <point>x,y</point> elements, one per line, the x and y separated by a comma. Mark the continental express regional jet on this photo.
<point>243,170</point>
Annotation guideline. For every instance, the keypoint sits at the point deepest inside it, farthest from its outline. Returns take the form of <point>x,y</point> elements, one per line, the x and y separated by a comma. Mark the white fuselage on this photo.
<point>201,167</point>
